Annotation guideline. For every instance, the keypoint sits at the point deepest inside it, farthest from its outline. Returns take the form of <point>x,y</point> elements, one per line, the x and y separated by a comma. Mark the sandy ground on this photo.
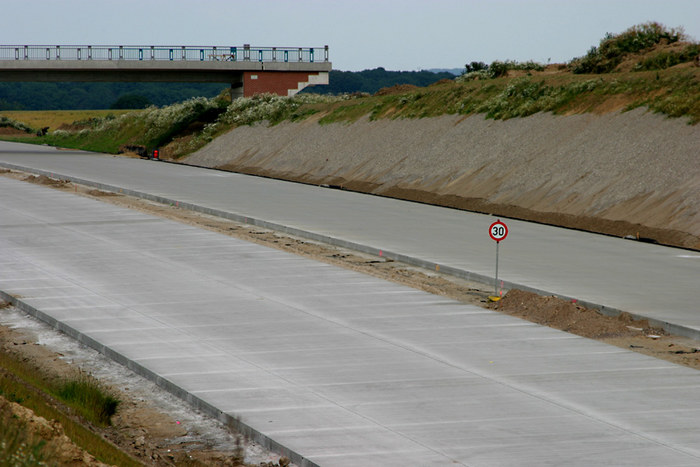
<point>633,174</point>
<point>159,429</point>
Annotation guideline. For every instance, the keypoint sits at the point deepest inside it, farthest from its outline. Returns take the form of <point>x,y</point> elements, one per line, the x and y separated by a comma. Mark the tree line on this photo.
<point>79,96</point>
<point>371,81</point>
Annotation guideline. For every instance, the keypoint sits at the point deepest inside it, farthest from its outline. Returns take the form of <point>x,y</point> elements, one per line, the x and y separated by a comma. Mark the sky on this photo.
<point>361,34</point>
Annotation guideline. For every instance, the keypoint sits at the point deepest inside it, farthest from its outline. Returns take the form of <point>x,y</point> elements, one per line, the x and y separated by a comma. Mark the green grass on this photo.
<point>89,398</point>
<point>673,93</point>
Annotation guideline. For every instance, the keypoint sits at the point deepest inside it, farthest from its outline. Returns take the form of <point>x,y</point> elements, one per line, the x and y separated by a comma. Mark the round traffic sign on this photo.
<point>498,231</point>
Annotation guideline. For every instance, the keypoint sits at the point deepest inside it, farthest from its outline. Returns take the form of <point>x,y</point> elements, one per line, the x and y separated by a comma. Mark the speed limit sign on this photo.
<point>498,231</point>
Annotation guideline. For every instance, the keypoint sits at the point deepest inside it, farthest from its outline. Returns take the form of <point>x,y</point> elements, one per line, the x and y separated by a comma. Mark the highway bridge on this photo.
<point>249,70</point>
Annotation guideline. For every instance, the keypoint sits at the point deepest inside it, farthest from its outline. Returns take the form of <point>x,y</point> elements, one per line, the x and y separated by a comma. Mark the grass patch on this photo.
<point>671,92</point>
<point>89,398</point>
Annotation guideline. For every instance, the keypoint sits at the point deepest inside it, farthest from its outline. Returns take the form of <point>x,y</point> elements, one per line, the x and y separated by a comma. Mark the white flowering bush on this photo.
<point>159,121</point>
<point>170,126</point>
<point>249,110</point>
<point>270,107</point>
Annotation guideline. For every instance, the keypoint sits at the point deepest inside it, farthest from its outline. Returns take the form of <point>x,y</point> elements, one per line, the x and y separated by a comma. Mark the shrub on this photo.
<point>614,47</point>
<point>475,66</point>
<point>164,123</point>
<point>497,69</point>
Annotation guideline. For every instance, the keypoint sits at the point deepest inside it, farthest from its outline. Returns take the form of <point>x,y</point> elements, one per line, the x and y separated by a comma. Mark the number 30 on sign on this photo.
<point>498,231</point>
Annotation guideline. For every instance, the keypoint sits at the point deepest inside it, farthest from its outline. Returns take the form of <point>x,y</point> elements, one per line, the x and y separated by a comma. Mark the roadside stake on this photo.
<point>497,231</point>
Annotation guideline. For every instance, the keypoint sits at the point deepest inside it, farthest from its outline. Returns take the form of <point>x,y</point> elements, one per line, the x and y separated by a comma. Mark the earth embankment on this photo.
<point>622,173</point>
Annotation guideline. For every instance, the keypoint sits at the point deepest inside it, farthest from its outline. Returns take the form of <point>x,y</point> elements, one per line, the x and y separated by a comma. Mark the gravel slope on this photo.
<point>632,173</point>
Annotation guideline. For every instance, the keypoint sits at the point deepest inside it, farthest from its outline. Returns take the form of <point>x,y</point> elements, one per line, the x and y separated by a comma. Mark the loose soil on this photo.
<point>147,432</point>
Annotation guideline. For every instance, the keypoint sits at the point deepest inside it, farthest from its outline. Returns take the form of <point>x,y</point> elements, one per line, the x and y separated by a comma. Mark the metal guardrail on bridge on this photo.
<point>160,52</point>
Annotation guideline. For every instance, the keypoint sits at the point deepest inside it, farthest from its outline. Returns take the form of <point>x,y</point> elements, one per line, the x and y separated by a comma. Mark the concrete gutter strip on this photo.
<point>414,261</point>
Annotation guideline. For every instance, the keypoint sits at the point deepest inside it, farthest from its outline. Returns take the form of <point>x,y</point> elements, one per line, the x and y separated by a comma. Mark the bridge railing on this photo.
<point>160,52</point>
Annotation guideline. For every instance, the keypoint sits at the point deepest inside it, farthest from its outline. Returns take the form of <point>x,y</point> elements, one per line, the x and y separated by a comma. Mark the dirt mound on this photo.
<point>442,81</point>
<point>100,193</point>
<point>571,317</point>
<point>133,150</point>
<point>44,180</point>
<point>63,450</point>
<point>396,89</point>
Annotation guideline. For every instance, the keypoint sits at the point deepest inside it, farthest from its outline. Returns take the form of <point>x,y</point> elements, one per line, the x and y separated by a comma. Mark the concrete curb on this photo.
<point>419,262</point>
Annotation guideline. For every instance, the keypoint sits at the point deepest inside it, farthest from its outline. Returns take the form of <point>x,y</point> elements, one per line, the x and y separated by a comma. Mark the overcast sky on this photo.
<point>361,34</point>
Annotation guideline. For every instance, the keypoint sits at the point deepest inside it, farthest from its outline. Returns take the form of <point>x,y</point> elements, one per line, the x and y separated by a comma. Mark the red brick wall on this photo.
<point>274,82</point>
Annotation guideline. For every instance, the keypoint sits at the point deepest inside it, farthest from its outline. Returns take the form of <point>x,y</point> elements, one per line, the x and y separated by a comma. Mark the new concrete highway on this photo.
<point>336,368</point>
<point>653,281</point>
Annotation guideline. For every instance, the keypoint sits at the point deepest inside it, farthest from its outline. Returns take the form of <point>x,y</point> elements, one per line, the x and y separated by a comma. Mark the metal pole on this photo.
<point>495,292</point>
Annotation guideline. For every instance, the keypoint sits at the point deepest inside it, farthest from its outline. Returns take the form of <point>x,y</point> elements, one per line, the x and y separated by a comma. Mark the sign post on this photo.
<point>497,231</point>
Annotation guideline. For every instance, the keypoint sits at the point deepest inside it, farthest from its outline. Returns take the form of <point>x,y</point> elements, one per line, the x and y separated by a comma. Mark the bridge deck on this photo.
<point>239,66</point>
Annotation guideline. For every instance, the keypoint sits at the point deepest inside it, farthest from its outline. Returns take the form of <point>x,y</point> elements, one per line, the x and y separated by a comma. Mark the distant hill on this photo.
<point>454,71</point>
<point>371,81</point>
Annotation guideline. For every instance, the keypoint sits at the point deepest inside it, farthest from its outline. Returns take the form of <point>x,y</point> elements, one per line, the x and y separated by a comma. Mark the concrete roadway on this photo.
<point>656,282</point>
<point>330,366</point>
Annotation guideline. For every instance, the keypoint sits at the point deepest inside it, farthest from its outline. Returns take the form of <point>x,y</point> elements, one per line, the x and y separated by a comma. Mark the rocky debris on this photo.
<point>570,316</point>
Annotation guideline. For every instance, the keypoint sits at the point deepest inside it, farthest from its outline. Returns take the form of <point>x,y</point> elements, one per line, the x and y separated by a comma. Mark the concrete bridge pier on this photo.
<point>236,90</point>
